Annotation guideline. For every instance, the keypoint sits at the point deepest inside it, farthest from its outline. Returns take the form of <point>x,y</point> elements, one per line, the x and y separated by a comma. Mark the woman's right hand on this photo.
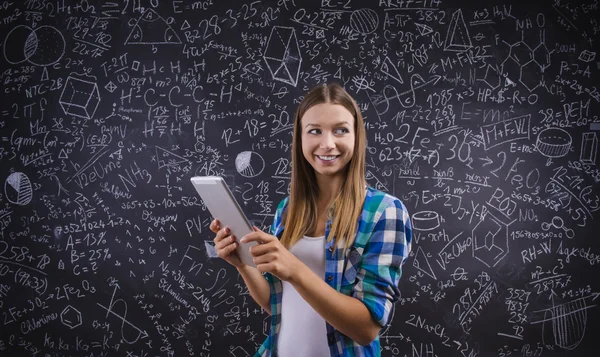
<point>225,244</point>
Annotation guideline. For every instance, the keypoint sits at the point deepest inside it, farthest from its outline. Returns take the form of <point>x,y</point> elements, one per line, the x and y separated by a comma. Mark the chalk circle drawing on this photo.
<point>152,29</point>
<point>282,55</point>
<point>364,21</point>
<point>18,189</point>
<point>43,46</point>
<point>80,97</point>
<point>554,142</point>
<point>249,164</point>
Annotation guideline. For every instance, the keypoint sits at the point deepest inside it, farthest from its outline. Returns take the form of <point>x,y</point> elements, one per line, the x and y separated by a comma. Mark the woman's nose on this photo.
<point>327,141</point>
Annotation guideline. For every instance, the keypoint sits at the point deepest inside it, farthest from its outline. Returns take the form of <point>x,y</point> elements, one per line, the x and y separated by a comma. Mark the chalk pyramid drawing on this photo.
<point>390,69</point>
<point>422,263</point>
<point>423,29</point>
<point>457,38</point>
<point>166,158</point>
<point>283,56</point>
<point>152,29</point>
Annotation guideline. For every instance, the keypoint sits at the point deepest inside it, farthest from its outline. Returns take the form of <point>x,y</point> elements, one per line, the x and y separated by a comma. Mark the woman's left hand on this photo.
<point>271,256</point>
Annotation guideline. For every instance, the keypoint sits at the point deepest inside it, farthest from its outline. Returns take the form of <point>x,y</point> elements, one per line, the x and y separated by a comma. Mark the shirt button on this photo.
<point>330,278</point>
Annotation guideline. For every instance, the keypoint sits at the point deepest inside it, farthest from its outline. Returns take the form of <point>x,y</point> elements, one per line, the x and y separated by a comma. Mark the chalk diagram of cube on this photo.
<point>282,55</point>
<point>80,98</point>
<point>490,240</point>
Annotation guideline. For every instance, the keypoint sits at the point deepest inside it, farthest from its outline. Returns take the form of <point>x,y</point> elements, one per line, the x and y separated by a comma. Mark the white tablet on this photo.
<point>222,206</point>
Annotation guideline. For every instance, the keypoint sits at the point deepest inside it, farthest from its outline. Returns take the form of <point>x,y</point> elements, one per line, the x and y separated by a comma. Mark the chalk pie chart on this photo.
<point>18,188</point>
<point>249,164</point>
<point>42,46</point>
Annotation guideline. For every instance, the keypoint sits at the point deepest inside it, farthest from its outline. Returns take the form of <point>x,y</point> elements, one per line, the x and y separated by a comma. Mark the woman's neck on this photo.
<point>329,188</point>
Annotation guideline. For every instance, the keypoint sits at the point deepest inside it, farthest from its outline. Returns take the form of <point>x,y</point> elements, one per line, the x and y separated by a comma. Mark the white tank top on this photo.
<point>303,331</point>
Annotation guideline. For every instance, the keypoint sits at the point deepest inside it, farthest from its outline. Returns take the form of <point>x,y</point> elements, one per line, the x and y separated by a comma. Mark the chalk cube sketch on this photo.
<point>70,317</point>
<point>490,240</point>
<point>238,351</point>
<point>282,55</point>
<point>553,142</point>
<point>18,189</point>
<point>80,98</point>
<point>457,37</point>
<point>152,29</point>
<point>589,148</point>
<point>364,21</point>
<point>587,56</point>
<point>249,164</point>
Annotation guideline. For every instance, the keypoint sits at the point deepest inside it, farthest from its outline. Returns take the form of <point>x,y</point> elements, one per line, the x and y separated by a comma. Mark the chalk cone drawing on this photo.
<point>18,189</point>
<point>249,164</point>
<point>152,29</point>
<point>80,97</point>
<point>457,37</point>
<point>282,55</point>
<point>43,46</point>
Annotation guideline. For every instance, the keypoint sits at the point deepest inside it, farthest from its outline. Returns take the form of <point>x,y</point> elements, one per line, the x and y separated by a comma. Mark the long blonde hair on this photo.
<point>301,213</point>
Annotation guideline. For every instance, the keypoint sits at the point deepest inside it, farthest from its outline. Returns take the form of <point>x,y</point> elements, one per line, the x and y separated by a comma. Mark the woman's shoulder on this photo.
<point>377,200</point>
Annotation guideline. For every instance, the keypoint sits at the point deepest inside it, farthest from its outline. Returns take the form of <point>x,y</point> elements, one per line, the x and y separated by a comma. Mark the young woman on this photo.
<point>333,262</point>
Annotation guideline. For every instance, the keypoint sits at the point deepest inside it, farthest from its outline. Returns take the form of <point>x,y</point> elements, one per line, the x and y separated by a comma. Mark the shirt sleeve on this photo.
<point>380,267</point>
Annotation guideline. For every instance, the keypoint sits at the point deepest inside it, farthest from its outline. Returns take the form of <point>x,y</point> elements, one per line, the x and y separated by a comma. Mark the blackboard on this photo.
<point>482,117</point>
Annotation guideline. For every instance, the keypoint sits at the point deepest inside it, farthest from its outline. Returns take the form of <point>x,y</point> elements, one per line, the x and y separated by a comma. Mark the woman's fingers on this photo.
<point>215,225</point>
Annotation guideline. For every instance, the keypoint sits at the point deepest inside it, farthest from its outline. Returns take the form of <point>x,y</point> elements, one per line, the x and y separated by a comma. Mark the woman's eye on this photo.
<point>314,131</point>
<point>342,131</point>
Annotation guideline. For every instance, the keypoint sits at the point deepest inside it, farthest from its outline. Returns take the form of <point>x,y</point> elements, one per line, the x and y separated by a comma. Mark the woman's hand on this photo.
<point>271,256</point>
<point>225,244</point>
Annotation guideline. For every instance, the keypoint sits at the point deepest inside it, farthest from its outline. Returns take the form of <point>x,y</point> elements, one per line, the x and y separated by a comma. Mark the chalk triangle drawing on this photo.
<point>390,69</point>
<point>423,29</point>
<point>457,38</point>
<point>422,263</point>
<point>44,74</point>
<point>167,158</point>
<point>185,26</point>
<point>152,29</point>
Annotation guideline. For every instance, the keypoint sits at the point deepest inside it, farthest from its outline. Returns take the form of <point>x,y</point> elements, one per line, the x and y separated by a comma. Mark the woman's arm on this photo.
<point>257,285</point>
<point>345,313</point>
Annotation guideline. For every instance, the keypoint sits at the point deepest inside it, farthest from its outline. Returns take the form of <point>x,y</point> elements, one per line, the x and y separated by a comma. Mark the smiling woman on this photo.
<point>334,259</point>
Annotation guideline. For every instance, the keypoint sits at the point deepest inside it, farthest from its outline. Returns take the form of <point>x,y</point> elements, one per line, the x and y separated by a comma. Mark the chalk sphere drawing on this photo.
<point>41,47</point>
<point>364,21</point>
<point>17,189</point>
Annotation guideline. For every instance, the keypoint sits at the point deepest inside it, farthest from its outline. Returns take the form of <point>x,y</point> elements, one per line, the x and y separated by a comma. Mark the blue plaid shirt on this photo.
<point>369,271</point>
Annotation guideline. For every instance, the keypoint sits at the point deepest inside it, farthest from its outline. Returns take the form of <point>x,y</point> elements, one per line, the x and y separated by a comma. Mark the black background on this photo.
<point>479,118</point>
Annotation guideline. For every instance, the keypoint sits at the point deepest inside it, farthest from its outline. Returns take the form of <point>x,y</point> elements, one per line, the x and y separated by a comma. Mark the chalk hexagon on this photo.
<point>70,317</point>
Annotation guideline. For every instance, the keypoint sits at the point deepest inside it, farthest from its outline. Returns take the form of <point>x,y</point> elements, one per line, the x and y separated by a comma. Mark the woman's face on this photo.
<point>327,138</point>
